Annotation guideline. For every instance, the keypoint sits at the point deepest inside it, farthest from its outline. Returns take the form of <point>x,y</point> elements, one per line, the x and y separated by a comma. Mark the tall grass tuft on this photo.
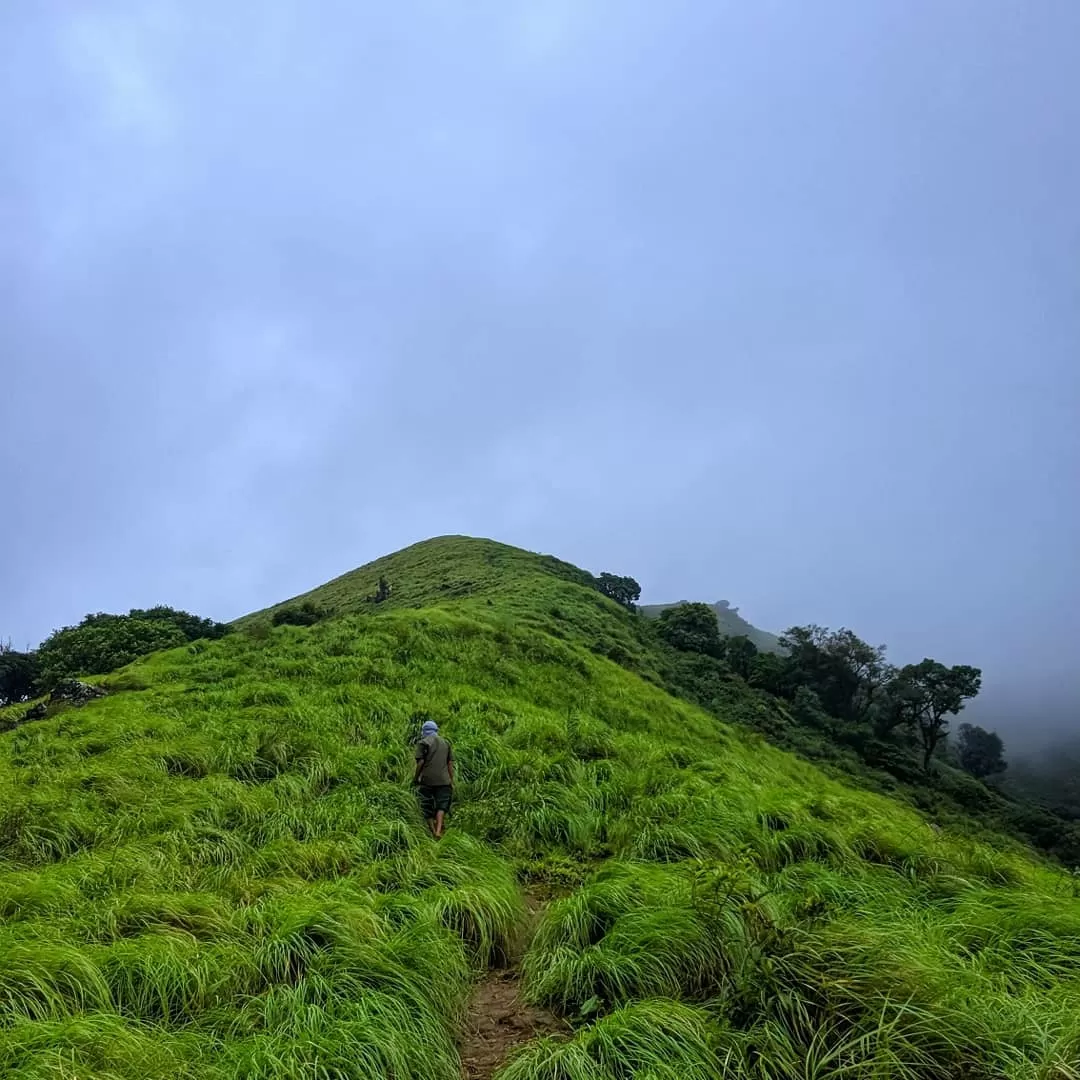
<point>661,1040</point>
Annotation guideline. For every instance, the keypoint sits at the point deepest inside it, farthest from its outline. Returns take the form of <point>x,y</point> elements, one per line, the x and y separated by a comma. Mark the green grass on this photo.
<point>219,872</point>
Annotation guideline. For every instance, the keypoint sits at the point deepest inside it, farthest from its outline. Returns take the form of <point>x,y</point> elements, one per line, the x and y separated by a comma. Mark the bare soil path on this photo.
<point>498,1019</point>
<point>498,1023</point>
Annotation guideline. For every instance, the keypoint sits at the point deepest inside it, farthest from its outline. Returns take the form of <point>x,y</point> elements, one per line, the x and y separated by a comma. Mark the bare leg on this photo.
<point>431,825</point>
<point>440,816</point>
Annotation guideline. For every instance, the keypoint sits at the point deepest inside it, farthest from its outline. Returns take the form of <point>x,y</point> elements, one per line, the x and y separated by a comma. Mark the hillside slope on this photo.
<point>218,870</point>
<point>731,623</point>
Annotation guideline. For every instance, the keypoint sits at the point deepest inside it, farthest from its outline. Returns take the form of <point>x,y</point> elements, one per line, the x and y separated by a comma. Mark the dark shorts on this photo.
<point>433,799</point>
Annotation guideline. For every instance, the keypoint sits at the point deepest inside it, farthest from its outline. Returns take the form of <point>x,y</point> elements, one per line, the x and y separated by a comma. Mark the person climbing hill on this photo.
<point>434,776</point>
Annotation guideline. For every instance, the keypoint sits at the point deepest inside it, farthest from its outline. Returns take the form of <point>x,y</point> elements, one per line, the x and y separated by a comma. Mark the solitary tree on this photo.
<point>927,693</point>
<point>623,590</point>
<point>980,752</point>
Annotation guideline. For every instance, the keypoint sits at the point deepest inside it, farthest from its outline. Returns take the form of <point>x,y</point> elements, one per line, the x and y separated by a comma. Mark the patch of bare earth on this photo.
<point>498,1023</point>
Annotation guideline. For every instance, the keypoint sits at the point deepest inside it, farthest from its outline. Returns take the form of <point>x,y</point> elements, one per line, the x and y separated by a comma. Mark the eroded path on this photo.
<point>498,1023</point>
<point>498,1020</point>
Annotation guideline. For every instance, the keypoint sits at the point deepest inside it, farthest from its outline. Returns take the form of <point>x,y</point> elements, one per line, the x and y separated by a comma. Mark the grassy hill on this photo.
<point>218,871</point>
<point>731,624</point>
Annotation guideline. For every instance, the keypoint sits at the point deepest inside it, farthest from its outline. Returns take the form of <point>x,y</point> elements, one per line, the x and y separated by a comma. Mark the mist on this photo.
<point>769,302</point>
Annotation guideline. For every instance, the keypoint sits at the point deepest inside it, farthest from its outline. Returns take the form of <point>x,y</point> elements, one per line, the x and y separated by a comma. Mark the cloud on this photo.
<point>112,58</point>
<point>755,302</point>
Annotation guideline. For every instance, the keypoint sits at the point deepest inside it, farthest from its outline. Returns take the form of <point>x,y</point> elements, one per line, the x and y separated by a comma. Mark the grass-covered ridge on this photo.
<point>218,871</point>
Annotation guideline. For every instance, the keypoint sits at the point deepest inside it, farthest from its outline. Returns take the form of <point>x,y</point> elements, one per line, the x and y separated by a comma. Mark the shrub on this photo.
<point>305,614</point>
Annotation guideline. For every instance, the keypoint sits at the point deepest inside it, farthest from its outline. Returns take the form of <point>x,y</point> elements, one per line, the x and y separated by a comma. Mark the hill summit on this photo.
<point>218,870</point>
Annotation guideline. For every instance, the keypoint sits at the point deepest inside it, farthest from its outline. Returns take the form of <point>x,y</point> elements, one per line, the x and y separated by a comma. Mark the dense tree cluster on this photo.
<point>835,680</point>
<point>835,698</point>
<point>19,672</point>
<point>102,642</point>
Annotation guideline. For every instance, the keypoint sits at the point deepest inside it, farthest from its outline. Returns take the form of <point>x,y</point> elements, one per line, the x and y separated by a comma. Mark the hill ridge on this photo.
<point>218,870</point>
<point>730,622</point>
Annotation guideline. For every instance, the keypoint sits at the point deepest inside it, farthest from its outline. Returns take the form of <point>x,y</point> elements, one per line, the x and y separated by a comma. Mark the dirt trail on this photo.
<point>498,1023</point>
<point>498,1020</point>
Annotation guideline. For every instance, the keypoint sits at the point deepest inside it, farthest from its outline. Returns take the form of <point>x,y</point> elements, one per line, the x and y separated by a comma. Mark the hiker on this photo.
<point>434,777</point>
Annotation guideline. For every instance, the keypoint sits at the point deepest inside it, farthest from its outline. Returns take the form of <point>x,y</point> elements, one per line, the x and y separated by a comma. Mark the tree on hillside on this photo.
<point>103,642</point>
<point>691,628</point>
<point>93,648</point>
<point>894,708</point>
<point>845,672</point>
<point>191,626</point>
<point>807,711</point>
<point>980,752</point>
<point>740,653</point>
<point>623,590</point>
<point>19,672</point>
<point>924,695</point>
<point>867,663</point>
<point>771,673</point>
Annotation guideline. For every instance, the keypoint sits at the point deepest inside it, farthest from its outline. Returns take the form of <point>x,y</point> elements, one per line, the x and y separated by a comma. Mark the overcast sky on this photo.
<point>772,302</point>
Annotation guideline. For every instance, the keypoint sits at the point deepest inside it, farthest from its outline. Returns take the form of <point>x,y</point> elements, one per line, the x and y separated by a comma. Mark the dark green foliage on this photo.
<point>980,752</point>
<point>623,590</point>
<point>844,671</point>
<point>772,673</point>
<point>103,642</point>
<point>740,653</point>
<point>691,628</point>
<point>731,624</point>
<point>305,614</point>
<point>191,626</point>
<point>807,711</point>
<point>100,644</point>
<point>382,593</point>
<point>19,675</point>
<point>928,693</point>
<point>1046,831</point>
